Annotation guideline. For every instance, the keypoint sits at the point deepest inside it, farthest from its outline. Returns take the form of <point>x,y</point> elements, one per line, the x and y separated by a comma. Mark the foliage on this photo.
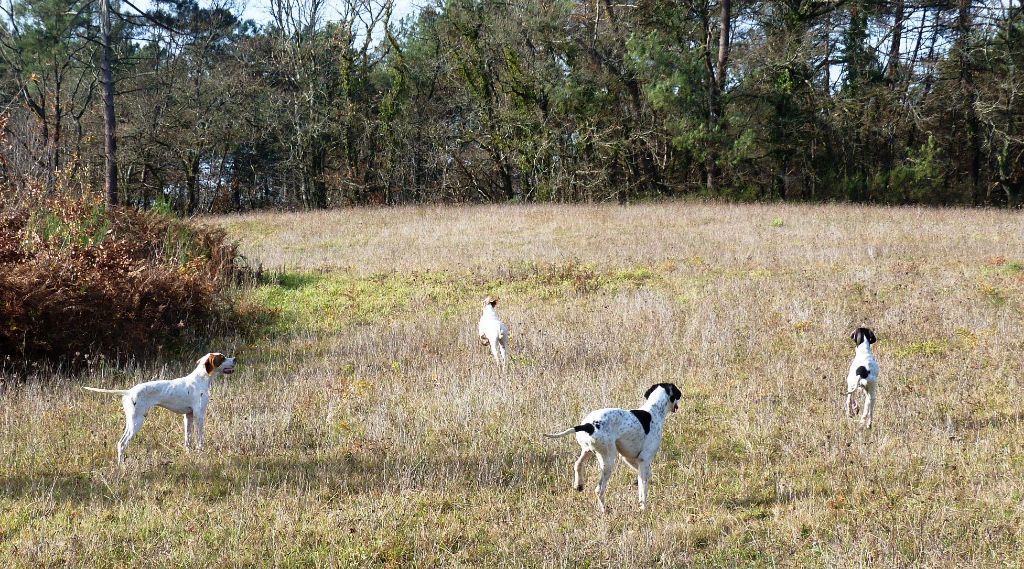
<point>538,100</point>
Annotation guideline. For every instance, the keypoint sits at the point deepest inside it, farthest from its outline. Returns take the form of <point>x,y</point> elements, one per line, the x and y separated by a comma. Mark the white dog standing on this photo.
<point>636,435</point>
<point>188,396</point>
<point>863,375</point>
<point>494,332</point>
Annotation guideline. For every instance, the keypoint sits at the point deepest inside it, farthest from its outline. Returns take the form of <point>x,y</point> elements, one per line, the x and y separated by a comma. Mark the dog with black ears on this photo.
<point>634,434</point>
<point>863,376</point>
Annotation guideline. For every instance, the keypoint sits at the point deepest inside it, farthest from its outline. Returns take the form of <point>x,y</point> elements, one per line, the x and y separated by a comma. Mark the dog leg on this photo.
<point>643,480</point>
<point>851,404</point>
<point>132,426</point>
<point>189,421</point>
<point>642,469</point>
<point>122,444</point>
<point>200,425</point>
<point>503,351</point>
<point>869,405</point>
<point>606,461</point>
<point>494,352</point>
<point>577,469</point>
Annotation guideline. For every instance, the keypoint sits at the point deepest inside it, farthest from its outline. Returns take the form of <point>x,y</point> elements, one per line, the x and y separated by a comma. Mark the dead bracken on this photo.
<point>77,278</point>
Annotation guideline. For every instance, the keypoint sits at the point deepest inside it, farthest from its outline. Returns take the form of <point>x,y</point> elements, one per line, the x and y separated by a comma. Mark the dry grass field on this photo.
<point>366,427</point>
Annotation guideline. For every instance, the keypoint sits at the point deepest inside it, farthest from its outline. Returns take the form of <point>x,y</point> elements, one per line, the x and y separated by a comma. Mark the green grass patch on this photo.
<point>326,301</point>
<point>993,294</point>
<point>924,348</point>
<point>254,230</point>
<point>1014,267</point>
<point>550,280</point>
<point>332,301</point>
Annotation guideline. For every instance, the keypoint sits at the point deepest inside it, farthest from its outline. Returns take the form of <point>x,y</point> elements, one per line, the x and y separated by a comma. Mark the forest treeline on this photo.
<point>323,104</point>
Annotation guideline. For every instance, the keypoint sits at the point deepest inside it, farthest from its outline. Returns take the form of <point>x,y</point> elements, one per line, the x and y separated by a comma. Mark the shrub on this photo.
<point>78,279</point>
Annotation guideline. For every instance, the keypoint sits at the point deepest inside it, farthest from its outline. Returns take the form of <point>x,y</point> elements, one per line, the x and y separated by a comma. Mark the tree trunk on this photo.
<point>317,181</point>
<point>192,184</point>
<point>894,47</point>
<point>969,93</point>
<point>109,125</point>
<point>716,106</point>
<point>723,44</point>
<point>145,187</point>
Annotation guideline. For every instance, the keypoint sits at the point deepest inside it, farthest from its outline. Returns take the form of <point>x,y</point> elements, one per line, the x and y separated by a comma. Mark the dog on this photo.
<point>188,396</point>
<point>494,332</point>
<point>636,435</point>
<point>863,375</point>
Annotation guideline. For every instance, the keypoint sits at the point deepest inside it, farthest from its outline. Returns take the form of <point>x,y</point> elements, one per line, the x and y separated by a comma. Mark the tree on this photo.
<point>480,100</point>
<point>109,118</point>
<point>46,47</point>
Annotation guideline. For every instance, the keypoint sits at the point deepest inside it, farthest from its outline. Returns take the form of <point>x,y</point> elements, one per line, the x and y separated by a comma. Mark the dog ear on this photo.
<point>494,300</point>
<point>857,336</point>
<point>871,336</point>
<point>670,388</point>
<point>206,360</point>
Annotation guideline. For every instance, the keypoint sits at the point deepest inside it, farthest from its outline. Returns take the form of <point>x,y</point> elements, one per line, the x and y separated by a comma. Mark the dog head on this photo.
<point>491,301</point>
<point>217,362</point>
<point>861,334</point>
<point>674,395</point>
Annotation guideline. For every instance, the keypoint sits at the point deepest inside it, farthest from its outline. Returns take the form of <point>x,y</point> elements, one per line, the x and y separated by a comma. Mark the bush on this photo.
<point>77,279</point>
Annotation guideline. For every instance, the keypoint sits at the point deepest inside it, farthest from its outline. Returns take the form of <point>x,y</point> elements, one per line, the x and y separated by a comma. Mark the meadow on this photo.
<point>367,427</point>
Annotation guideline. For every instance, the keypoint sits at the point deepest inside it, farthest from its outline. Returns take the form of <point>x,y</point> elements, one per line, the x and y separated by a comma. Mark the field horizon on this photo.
<point>366,426</point>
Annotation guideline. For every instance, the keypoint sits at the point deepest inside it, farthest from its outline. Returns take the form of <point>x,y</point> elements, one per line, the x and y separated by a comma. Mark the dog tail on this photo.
<point>113,391</point>
<point>585,427</point>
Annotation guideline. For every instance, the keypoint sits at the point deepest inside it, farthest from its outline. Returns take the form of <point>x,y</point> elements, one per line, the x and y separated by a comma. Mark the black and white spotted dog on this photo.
<point>863,375</point>
<point>636,435</point>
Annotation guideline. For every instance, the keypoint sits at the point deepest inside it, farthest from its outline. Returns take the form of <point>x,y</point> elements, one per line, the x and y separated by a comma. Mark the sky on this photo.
<point>257,9</point>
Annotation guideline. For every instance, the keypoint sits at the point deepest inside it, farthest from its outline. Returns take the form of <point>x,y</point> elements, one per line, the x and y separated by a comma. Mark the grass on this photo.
<point>366,427</point>
<point>326,301</point>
